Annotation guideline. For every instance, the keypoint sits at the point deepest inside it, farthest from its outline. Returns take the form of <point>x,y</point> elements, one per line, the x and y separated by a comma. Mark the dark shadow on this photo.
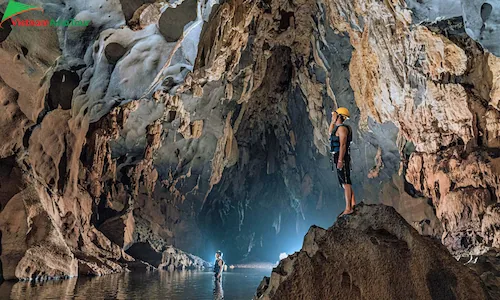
<point>173,20</point>
<point>411,190</point>
<point>24,50</point>
<point>384,237</point>
<point>10,180</point>
<point>61,89</point>
<point>441,284</point>
<point>130,6</point>
<point>285,20</point>
<point>63,174</point>
<point>1,272</point>
<point>6,30</point>
<point>114,52</point>
<point>143,251</point>
<point>486,9</point>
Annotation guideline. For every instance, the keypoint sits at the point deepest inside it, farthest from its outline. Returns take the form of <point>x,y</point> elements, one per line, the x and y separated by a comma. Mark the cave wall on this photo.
<point>443,99</point>
<point>76,145</point>
<point>213,133</point>
<point>282,137</point>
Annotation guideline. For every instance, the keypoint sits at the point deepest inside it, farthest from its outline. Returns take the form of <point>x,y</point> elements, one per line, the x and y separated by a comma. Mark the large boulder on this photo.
<point>175,259</point>
<point>372,254</point>
<point>120,230</point>
<point>168,258</point>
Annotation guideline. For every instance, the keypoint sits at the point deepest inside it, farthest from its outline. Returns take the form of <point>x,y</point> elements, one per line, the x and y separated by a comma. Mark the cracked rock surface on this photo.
<point>374,240</point>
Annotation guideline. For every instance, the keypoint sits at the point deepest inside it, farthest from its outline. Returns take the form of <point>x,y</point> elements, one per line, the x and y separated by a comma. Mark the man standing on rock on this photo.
<point>340,141</point>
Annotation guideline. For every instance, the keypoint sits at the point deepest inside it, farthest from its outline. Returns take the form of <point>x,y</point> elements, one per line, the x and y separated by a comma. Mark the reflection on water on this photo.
<point>238,284</point>
<point>218,291</point>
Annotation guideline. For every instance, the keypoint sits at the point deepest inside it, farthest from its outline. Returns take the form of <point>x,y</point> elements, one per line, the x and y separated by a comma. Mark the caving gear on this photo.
<point>343,112</point>
<point>335,140</point>
<point>344,174</point>
<point>217,268</point>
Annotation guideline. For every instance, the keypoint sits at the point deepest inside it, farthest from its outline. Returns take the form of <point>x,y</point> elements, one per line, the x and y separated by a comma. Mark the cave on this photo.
<point>61,89</point>
<point>251,150</point>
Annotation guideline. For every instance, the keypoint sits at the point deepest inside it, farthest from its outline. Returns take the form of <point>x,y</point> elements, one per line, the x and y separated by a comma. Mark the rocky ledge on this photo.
<point>372,254</point>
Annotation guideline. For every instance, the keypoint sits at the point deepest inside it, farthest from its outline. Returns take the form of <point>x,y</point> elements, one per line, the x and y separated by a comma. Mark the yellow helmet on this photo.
<point>343,111</point>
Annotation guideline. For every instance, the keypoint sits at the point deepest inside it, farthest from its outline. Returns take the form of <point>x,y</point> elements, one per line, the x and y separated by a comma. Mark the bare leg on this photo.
<point>353,200</point>
<point>348,199</point>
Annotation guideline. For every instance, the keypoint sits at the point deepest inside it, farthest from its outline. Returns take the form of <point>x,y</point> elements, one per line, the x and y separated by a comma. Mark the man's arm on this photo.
<point>342,134</point>
<point>332,126</point>
<point>221,265</point>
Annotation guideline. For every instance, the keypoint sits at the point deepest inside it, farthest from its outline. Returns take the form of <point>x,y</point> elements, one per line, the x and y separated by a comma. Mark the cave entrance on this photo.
<point>61,89</point>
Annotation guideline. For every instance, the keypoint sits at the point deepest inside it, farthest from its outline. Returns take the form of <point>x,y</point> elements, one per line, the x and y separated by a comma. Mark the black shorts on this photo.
<point>343,174</point>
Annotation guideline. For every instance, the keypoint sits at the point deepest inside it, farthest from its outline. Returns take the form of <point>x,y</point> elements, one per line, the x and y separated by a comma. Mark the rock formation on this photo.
<point>170,259</point>
<point>174,259</point>
<point>211,133</point>
<point>68,206</point>
<point>373,254</point>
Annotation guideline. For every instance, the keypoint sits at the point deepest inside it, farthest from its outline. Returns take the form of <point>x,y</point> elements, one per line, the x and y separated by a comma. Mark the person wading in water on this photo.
<point>219,265</point>
<point>218,268</point>
<point>340,142</point>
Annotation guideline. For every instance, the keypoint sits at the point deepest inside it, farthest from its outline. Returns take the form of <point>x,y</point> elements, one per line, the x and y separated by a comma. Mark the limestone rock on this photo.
<point>11,181</point>
<point>487,268</point>
<point>13,244</point>
<point>130,7</point>
<point>54,147</point>
<point>462,213</point>
<point>464,200</point>
<point>439,124</point>
<point>175,259</point>
<point>95,266</point>
<point>482,22</point>
<point>170,258</point>
<point>139,266</point>
<point>442,97</point>
<point>13,122</point>
<point>494,69</point>
<point>145,252</point>
<point>120,230</point>
<point>32,246</point>
<point>431,10</point>
<point>173,19</point>
<point>481,18</point>
<point>414,207</point>
<point>372,254</point>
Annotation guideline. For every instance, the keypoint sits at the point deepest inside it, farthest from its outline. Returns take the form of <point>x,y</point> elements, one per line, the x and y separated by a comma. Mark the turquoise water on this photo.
<point>238,284</point>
